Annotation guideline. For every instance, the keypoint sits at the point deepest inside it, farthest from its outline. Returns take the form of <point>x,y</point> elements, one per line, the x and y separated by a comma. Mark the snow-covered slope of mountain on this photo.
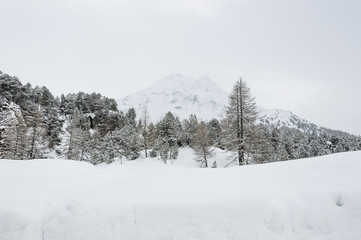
<point>181,95</point>
<point>282,118</point>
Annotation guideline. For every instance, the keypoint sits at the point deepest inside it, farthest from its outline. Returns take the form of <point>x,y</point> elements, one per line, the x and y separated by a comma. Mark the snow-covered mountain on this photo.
<point>181,95</point>
<point>184,95</point>
<point>282,118</point>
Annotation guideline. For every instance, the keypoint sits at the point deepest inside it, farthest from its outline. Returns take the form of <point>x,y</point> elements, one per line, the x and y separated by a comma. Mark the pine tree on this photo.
<point>109,151</point>
<point>259,147</point>
<point>162,146</point>
<point>130,117</point>
<point>300,146</point>
<point>240,116</point>
<point>96,155</point>
<point>168,134</point>
<point>54,126</point>
<point>281,153</point>
<point>202,145</point>
<point>12,131</point>
<point>214,129</point>
<point>79,138</point>
<point>189,129</point>
<point>129,142</point>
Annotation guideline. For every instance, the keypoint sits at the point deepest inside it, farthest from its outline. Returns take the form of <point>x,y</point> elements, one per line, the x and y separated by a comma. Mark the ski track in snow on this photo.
<point>316,198</point>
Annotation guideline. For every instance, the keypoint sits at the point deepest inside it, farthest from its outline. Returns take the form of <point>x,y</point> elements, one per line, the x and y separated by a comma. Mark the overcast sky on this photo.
<point>303,56</point>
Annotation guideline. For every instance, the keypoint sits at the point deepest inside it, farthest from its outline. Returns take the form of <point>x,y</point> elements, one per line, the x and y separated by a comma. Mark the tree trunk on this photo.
<point>240,126</point>
<point>205,157</point>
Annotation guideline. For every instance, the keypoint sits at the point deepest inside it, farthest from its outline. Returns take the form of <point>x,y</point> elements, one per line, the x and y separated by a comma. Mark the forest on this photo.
<point>89,127</point>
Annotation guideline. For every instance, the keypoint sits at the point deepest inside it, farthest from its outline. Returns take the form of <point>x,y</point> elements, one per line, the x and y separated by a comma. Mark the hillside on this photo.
<point>147,199</point>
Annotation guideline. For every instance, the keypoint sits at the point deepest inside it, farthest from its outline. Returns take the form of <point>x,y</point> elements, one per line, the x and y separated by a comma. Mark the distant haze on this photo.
<point>302,56</point>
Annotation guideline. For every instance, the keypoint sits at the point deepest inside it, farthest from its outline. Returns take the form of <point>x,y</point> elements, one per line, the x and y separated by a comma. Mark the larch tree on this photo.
<point>152,135</point>
<point>144,129</point>
<point>202,145</point>
<point>36,136</point>
<point>240,117</point>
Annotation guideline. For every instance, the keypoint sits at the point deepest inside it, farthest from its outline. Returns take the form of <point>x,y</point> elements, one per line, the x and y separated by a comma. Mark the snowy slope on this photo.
<point>318,198</point>
<point>181,95</point>
<point>282,118</point>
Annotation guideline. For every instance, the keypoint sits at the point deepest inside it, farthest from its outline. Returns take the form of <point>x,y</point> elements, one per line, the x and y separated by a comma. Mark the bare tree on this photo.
<point>202,145</point>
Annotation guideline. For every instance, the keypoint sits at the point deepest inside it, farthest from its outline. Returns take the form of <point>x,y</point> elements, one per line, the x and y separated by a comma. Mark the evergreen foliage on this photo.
<point>12,131</point>
<point>189,129</point>
<point>168,135</point>
<point>215,132</point>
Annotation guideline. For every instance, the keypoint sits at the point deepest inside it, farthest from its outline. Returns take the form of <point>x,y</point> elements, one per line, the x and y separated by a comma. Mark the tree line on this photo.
<point>89,127</point>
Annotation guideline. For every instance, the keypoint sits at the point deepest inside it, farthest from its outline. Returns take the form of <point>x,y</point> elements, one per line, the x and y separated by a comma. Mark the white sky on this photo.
<point>303,56</point>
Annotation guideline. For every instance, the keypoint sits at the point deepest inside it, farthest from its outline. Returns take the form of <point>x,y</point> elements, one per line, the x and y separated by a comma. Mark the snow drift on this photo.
<point>318,198</point>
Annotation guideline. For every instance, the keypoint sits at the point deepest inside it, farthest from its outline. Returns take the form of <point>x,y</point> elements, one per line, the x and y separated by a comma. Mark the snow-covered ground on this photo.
<point>317,198</point>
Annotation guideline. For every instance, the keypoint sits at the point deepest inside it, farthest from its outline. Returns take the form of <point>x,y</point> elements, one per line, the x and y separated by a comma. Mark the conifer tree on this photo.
<point>78,142</point>
<point>96,155</point>
<point>281,153</point>
<point>162,146</point>
<point>214,129</point>
<point>12,131</point>
<point>144,129</point>
<point>36,135</point>
<point>129,142</point>
<point>189,129</point>
<point>152,135</point>
<point>130,117</point>
<point>240,116</point>
<point>259,146</point>
<point>109,151</point>
<point>202,145</point>
<point>168,134</point>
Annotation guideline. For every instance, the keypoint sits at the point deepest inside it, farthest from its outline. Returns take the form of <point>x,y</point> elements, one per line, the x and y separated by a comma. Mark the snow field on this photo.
<point>316,198</point>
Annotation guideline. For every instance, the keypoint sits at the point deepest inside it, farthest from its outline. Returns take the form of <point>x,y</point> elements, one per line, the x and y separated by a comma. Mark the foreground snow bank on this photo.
<point>318,198</point>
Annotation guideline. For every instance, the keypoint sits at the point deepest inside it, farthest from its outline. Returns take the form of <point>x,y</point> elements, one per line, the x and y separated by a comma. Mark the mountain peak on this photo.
<point>182,95</point>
